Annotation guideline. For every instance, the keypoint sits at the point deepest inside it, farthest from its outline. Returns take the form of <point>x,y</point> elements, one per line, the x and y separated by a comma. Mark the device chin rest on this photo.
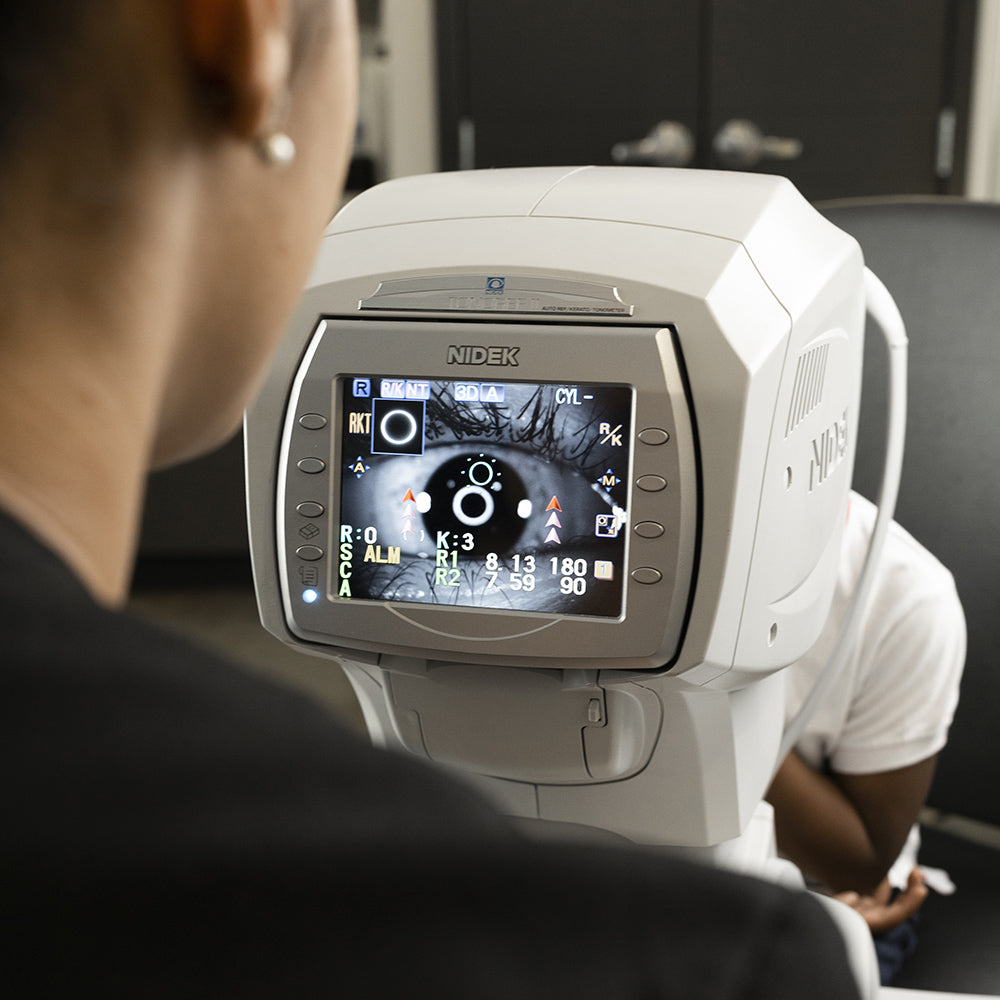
<point>537,726</point>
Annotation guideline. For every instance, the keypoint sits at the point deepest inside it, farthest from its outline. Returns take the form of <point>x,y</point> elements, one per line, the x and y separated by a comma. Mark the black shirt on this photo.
<point>174,826</point>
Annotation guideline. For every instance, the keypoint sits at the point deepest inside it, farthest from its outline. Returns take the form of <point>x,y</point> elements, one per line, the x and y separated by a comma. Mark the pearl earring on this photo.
<point>276,149</point>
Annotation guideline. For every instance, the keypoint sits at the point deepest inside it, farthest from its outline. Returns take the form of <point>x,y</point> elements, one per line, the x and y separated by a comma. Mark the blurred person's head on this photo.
<point>136,190</point>
<point>152,245</point>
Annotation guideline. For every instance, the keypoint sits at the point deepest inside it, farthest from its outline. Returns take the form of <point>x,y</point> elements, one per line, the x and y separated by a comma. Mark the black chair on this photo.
<point>940,258</point>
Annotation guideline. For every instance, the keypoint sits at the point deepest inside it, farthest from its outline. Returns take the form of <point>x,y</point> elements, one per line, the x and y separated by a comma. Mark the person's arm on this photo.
<point>846,830</point>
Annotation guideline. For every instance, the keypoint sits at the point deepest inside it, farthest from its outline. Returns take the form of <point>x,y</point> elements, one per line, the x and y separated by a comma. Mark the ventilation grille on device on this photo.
<point>807,392</point>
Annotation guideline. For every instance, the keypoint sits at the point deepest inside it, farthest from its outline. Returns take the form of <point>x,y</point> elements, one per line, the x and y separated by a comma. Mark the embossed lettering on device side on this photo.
<point>828,451</point>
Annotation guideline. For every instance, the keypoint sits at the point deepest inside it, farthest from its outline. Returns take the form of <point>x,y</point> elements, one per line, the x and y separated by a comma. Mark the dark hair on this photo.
<point>70,71</point>
<point>37,37</point>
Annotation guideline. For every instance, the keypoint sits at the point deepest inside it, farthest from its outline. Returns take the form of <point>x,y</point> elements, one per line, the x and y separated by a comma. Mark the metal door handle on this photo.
<point>669,144</point>
<point>740,143</point>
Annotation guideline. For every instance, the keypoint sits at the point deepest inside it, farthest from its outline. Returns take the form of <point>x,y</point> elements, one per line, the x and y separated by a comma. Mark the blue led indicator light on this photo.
<point>310,596</point>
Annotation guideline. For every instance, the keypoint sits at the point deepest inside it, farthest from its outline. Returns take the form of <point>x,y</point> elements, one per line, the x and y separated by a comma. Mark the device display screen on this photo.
<point>506,495</point>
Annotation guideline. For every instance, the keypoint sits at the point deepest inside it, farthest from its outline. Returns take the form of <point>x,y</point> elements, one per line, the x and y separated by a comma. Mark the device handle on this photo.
<point>882,308</point>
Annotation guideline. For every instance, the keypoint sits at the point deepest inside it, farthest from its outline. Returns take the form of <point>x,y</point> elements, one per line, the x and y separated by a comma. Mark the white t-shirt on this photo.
<point>896,697</point>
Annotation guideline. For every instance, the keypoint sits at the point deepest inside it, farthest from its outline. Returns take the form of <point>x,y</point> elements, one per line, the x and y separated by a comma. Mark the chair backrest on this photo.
<point>940,259</point>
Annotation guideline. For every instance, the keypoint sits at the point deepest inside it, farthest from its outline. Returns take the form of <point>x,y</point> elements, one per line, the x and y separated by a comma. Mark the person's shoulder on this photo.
<point>162,798</point>
<point>907,567</point>
<point>172,741</point>
<point>485,919</point>
<point>598,921</point>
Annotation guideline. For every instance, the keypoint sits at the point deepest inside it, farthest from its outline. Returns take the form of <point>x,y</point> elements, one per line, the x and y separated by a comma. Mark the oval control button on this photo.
<point>649,529</point>
<point>312,552</point>
<point>654,435</point>
<point>646,574</point>
<point>309,508</point>
<point>651,484</point>
<point>313,465</point>
<point>312,421</point>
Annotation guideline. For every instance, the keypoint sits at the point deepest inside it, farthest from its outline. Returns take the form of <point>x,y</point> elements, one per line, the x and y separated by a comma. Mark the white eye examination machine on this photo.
<point>556,463</point>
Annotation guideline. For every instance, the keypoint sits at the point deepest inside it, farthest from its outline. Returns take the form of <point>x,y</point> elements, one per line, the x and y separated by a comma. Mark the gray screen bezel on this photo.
<point>649,631</point>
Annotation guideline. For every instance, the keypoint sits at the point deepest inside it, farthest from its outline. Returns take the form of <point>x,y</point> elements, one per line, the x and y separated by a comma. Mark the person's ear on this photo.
<point>242,50</point>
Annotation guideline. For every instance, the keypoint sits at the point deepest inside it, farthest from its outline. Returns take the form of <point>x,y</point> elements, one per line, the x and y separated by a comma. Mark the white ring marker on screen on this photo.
<point>400,441</point>
<point>489,506</point>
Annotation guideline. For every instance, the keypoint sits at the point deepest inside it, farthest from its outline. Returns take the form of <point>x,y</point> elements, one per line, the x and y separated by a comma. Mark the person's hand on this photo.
<point>880,911</point>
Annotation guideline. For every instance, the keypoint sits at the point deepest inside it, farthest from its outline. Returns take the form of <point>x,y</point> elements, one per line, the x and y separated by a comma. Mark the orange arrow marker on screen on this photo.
<point>554,504</point>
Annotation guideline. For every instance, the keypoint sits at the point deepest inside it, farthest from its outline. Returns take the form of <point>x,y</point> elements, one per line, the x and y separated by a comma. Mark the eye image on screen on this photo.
<point>483,494</point>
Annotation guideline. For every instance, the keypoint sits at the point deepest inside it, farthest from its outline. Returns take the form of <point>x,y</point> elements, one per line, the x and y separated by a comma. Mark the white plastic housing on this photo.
<point>663,728</point>
<point>766,298</point>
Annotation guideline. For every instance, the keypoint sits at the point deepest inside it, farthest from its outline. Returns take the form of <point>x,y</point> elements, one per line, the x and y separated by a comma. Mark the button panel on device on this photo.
<point>312,421</point>
<point>305,528</point>
<point>649,529</point>
<point>311,466</point>
<point>647,575</point>
<point>654,436</point>
<point>649,482</point>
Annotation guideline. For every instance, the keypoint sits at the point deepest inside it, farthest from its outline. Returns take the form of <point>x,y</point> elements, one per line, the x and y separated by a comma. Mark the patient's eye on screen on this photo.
<point>495,495</point>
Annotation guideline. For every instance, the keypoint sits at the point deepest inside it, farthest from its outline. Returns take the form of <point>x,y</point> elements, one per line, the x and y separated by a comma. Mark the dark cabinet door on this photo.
<point>872,98</point>
<point>559,82</point>
<point>872,91</point>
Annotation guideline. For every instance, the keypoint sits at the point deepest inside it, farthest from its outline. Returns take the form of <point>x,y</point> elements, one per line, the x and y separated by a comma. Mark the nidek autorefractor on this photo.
<point>556,463</point>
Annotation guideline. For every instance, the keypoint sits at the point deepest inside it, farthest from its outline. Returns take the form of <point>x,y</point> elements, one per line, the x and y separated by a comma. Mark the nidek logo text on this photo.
<point>475,354</point>
<point>828,451</point>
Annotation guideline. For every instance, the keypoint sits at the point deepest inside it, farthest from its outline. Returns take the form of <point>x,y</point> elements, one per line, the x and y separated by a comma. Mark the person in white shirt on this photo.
<point>846,798</point>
